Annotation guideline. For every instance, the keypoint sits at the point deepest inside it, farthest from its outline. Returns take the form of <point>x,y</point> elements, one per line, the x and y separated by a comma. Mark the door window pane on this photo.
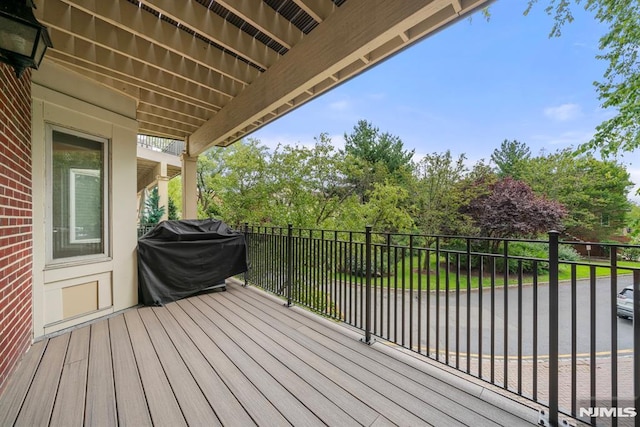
<point>78,197</point>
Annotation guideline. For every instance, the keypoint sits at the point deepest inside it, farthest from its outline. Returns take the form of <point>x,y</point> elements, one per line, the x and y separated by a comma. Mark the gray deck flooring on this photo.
<point>233,358</point>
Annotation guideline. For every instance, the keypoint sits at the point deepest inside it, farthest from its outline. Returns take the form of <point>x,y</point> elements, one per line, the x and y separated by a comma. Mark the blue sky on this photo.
<point>471,86</point>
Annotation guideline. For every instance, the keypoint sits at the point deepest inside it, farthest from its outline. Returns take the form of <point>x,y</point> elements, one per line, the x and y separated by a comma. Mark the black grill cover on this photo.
<point>177,259</point>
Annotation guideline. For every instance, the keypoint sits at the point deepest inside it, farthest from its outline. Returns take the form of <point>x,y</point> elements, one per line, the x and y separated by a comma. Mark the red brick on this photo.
<point>15,224</point>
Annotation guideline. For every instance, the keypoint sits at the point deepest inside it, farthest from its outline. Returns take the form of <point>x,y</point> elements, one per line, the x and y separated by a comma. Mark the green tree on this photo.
<point>509,158</point>
<point>208,174</point>
<point>633,222</point>
<point>385,211</point>
<point>175,196</point>
<point>233,183</point>
<point>308,185</point>
<point>241,184</point>
<point>172,213</point>
<point>593,191</point>
<point>439,194</point>
<point>620,88</point>
<point>375,157</point>
<point>152,211</point>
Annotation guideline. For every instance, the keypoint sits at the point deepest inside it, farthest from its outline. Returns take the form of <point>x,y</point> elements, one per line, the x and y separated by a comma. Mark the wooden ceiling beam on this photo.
<point>93,70</point>
<point>319,10</point>
<point>129,18</point>
<point>176,125</point>
<point>201,20</point>
<point>104,35</point>
<point>161,113</point>
<point>135,70</point>
<point>265,19</point>
<point>169,103</point>
<point>159,130</point>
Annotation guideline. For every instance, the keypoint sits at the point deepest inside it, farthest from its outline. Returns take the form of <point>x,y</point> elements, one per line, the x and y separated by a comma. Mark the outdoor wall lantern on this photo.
<point>23,40</point>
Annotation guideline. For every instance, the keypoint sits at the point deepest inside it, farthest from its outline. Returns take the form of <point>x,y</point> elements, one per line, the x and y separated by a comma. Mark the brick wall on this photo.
<point>15,219</point>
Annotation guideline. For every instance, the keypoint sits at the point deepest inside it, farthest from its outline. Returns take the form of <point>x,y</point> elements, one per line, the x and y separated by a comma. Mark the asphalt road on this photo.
<point>425,320</point>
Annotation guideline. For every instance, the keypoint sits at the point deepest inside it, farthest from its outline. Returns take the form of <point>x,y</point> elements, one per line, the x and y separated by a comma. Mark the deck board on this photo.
<point>255,403</point>
<point>233,358</point>
<point>101,395</point>
<point>276,393</point>
<point>163,407</point>
<point>350,361</point>
<point>38,403</point>
<point>130,397</point>
<point>221,399</point>
<point>323,377</point>
<point>20,382</point>
<point>325,409</point>
<point>69,405</point>
<point>472,411</point>
<point>194,405</point>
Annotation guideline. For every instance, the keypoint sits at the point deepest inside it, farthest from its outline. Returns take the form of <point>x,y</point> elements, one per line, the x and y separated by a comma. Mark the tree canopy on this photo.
<point>319,186</point>
<point>619,89</point>
<point>374,157</point>
<point>512,209</point>
<point>510,157</point>
<point>593,191</point>
<point>366,142</point>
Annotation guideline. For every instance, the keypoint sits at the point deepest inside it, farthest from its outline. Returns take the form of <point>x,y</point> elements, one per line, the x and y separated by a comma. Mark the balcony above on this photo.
<point>152,153</point>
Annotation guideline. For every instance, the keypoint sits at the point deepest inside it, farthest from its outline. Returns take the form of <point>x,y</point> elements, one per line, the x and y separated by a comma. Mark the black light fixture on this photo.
<point>23,40</point>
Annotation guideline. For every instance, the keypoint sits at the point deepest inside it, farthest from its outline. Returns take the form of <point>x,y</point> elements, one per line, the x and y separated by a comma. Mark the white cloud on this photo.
<point>377,96</point>
<point>564,112</point>
<point>564,139</point>
<point>340,105</point>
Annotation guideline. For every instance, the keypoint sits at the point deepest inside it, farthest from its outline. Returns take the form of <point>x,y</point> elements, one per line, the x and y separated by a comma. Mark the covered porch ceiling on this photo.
<point>213,71</point>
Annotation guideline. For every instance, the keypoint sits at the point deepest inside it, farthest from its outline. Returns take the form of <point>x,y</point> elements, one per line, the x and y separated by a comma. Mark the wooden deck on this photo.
<point>236,358</point>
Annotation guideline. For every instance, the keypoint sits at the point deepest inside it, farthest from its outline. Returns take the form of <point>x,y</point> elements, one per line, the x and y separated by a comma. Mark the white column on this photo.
<point>189,186</point>
<point>163,192</point>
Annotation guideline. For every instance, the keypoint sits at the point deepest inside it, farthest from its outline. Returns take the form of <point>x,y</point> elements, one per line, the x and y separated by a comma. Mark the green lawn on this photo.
<point>414,279</point>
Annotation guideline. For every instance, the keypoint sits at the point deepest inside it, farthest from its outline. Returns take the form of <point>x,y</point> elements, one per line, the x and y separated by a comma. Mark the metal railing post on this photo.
<point>246,242</point>
<point>553,328</point>
<point>636,343</point>
<point>289,262</point>
<point>613,292</point>
<point>367,328</point>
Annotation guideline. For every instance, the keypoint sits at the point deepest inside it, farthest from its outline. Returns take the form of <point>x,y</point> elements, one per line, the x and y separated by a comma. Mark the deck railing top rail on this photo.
<point>163,145</point>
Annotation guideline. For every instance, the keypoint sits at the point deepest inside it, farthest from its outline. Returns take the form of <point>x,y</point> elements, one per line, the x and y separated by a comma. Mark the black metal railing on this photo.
<point>529,316</point>
<point>163,145</point>
<point>144,229</point>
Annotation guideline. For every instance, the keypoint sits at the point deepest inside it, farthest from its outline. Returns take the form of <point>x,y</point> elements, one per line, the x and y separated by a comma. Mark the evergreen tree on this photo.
<point>152,211</point>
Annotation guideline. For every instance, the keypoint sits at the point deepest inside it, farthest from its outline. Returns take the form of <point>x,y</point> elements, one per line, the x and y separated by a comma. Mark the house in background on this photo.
<point>200,71</point>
